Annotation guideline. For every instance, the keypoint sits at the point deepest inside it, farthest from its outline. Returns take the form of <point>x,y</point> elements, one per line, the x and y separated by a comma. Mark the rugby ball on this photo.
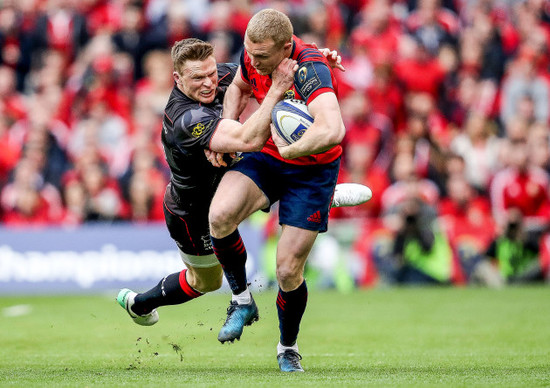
<point>291,119</point>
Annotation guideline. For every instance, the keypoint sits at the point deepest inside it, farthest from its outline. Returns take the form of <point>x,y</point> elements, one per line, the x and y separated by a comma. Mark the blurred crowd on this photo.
<point>446,105</point>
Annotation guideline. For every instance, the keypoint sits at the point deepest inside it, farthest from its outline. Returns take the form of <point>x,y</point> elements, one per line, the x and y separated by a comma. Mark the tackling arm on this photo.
<point>231,136</point>
<point>236,97</point>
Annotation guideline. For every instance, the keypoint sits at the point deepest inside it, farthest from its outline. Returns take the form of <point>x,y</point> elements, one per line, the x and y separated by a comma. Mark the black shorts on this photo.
<point>304,192</point>
<point>188,224</point>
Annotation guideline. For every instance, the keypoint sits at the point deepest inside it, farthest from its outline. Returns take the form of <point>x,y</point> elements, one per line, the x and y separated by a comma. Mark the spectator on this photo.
<point>524,85</point>
<point>480,148</point>
<point>75,202</point>
<point>420,73</point>
<point>15,44</point>
<point>433,25</point>
<point>152,91</point>
<point>131,37</point>
<point>377,32</point>
<point>385,96</point>
<point>27,198</point>
<point>145,202</point>
<point>61,27</point>
<point>106,202</point>
<point>521,187</point>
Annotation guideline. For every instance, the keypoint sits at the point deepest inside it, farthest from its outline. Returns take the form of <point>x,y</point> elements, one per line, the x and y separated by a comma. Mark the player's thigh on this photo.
<point>236,198</point>
<point>293,248</point>
<point>307,196</point>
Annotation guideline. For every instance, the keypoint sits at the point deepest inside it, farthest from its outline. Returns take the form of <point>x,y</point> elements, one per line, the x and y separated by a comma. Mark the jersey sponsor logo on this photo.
<point>315,217</point>
<point>198,130</point>
<point>311,80</point>
<point>289,94</point>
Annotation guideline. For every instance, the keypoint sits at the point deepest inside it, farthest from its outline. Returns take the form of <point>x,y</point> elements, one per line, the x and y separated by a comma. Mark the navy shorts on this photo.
<point>304,192</point>
<point>188,224</point>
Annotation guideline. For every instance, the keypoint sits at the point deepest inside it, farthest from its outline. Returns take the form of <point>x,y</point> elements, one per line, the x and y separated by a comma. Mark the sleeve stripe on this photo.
<point>220,80</point>
<point>169,119</point>
<point>309,54</point>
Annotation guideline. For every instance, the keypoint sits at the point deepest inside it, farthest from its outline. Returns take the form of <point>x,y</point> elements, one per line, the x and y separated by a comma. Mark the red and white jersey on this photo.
<point>314,77</point>
<point>526,191</point>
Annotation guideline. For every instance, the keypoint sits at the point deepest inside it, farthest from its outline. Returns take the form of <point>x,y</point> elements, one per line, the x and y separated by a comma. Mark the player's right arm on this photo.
<point>232,136</point>
<point>236,97</point>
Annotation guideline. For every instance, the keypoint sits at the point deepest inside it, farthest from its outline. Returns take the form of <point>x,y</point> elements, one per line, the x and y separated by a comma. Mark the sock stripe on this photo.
<point>280,301</point>
<point>238,247</point>
<point>187,289</point>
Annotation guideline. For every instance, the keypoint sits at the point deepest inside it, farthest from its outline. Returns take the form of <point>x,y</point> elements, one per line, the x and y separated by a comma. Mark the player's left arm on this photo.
<point>313,83</point>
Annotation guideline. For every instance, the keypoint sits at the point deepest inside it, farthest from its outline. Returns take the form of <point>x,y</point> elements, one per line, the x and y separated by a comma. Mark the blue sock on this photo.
<point>290,308</point>
<point>231,254</point>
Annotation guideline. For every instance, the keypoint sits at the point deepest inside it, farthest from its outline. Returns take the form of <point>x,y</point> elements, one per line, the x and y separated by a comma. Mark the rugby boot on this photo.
<point>238,316</point>
<point>126,298</point>
<point>289,361</point>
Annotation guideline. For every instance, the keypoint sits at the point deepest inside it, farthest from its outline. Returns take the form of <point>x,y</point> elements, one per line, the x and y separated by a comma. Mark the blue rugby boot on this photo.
<point>238,316</point>
<point>289,361</point>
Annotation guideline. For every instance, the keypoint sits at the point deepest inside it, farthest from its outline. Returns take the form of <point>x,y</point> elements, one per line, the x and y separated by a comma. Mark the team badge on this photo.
<point>289,94</point>
<point>198,130</point>
<point>302,74</point>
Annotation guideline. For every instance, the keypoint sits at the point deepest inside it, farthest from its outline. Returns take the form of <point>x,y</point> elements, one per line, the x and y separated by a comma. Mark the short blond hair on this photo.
<point>191,49</point>
<point>270,24</point>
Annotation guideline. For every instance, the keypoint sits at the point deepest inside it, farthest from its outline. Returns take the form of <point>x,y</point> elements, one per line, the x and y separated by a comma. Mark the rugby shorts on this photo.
<point>187,223</point>
<point>304,192</point>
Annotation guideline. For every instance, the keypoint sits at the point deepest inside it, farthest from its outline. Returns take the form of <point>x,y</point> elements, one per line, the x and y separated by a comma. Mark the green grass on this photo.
<point>403,337</point>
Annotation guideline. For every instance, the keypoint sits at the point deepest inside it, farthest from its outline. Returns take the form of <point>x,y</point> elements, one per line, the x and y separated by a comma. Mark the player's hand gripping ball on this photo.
<point>291,119</point>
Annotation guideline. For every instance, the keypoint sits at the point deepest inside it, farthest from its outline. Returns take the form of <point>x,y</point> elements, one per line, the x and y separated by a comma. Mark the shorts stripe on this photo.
<point>186,227</point>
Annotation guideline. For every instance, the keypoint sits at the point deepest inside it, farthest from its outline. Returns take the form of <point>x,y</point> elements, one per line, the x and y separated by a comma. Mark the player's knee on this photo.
<point>221,221</point>
<point>289,277</point>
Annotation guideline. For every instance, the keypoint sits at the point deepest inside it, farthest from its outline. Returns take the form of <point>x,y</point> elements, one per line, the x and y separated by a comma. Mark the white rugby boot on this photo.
<point>126,298</point>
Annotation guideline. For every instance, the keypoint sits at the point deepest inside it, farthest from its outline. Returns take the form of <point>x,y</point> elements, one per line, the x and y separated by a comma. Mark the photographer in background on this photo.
<point>516,252</point>
<point>420,253</point>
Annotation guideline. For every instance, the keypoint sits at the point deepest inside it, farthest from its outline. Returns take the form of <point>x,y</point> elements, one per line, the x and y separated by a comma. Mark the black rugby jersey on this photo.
<point>187,128</point>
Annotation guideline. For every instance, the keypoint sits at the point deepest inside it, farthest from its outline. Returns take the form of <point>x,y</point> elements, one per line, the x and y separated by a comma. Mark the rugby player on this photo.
<point>301,176</point>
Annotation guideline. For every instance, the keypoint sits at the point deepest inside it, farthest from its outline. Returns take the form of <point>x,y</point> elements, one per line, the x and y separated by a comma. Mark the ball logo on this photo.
<point>291,119</point>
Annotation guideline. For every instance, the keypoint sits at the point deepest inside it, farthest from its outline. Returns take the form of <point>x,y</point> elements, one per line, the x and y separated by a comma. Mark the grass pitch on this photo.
<point>400,337</point>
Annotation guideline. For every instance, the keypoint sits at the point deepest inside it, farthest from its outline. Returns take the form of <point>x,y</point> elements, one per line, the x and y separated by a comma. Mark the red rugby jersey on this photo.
<point>305,88</point>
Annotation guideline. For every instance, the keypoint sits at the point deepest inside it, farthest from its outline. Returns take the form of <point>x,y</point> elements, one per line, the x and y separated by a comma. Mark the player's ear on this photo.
<point>177,77</point>
<point>287,46</point>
